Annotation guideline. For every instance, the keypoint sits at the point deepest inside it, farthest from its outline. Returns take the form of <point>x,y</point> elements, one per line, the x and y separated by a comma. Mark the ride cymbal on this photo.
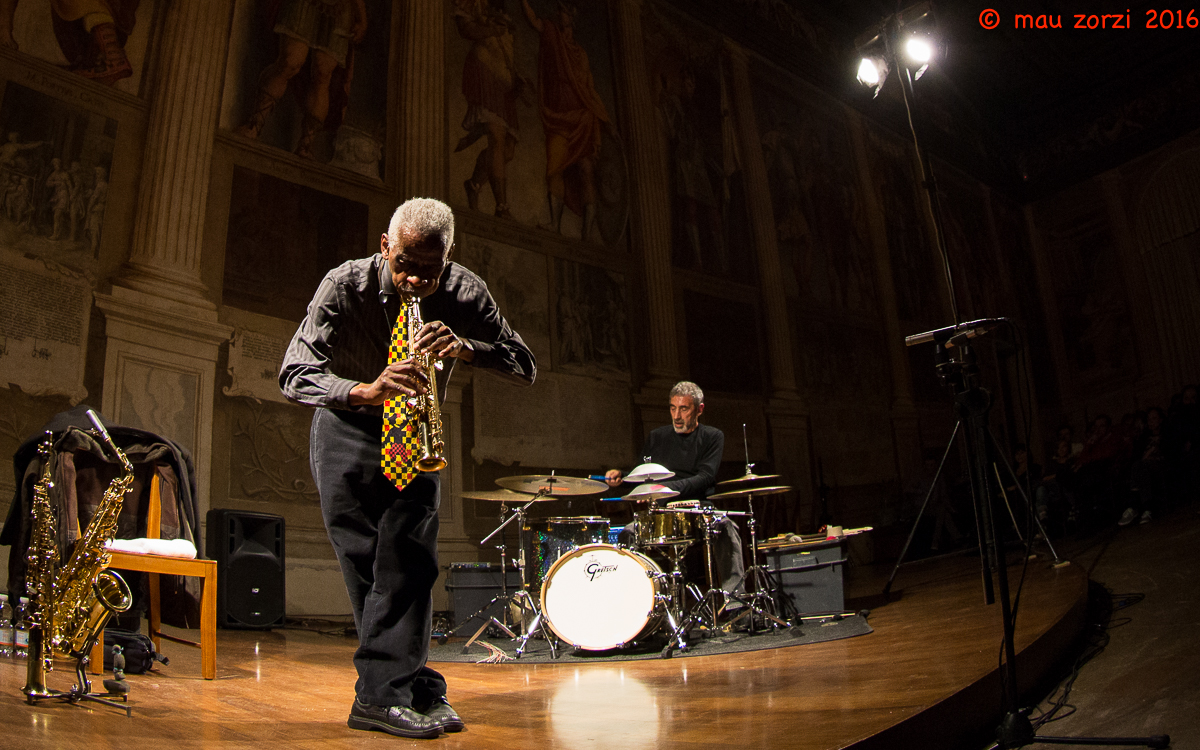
<point>504,496</point>
<point>550,484</point>
<point>748,478</point>
<point>750,492</point>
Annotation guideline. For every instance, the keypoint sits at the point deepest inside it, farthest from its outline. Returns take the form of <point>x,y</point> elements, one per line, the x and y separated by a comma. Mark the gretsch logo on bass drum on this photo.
<point>595,569</point>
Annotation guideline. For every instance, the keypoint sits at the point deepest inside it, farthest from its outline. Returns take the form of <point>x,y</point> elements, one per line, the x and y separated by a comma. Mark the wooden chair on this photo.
<point>155,565</point>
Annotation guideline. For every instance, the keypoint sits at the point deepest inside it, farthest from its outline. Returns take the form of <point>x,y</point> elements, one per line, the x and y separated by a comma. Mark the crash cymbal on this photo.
<point>649,473</point>
<point>550,484</point>
<point>749,492</point>
<point>747,478</point>
<point>651,492</point>
<point>503,496</point>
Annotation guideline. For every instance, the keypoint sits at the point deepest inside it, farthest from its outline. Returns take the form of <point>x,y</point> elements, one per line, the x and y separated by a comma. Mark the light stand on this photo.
<point>972,403</point>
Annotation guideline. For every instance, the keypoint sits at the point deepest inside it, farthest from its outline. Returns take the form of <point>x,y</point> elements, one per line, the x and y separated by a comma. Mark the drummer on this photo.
<point>693,452</point>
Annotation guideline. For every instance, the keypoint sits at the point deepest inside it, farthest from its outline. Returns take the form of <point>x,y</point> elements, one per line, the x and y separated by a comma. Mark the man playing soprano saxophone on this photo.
<point>386,539</point>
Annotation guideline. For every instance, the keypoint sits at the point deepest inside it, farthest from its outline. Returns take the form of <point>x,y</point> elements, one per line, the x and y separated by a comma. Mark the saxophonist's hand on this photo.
<point>404,378</point>
<point>437,338</point>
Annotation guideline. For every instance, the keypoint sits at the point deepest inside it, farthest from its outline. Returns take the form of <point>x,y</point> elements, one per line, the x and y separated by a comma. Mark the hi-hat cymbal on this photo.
<point>747,478</point>
<point>750,492</point>
<point>549,484</point>
<point>504,496</point>
<point>651,492</point>
<point>649,473</point>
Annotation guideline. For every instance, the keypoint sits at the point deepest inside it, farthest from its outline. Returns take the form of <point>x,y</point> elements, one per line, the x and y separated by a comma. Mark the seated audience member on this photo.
<point>1147,473</point>
<point>1183,443</point>
<point>1066,433</point>
<point>1055,494</point>
<point>1095,465</point>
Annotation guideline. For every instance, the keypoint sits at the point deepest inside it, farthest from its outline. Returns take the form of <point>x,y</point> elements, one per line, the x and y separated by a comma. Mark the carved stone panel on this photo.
<point>55,162</point>
<point>44,315</point>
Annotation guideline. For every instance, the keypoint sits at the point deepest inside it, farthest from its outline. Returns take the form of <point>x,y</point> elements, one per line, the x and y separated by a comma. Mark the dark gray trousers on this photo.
<point>386,543</point>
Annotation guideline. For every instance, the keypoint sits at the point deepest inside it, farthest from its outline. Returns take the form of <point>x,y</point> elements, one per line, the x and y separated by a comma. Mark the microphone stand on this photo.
<point>972,407</point>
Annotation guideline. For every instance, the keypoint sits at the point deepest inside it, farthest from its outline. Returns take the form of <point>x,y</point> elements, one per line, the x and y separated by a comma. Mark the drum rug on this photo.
<point>501,649</point>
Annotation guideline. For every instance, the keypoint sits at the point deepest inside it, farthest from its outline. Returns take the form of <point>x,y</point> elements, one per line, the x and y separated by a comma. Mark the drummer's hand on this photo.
<point>613,477</point>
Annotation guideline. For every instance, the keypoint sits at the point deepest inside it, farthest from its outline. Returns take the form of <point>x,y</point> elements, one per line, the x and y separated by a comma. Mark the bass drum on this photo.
<point>547,539</point>
<point>601,597</point>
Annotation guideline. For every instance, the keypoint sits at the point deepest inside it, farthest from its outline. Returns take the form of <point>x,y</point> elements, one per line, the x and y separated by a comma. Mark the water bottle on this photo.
<point>21,631</point>
<point>6,627</point>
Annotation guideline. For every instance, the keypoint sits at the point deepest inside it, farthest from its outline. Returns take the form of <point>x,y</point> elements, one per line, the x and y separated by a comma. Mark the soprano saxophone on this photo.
<point>70,606</point>
<point>425,407</point>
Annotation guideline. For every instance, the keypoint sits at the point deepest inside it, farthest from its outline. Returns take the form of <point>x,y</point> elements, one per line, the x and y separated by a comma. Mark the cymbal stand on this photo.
<point>672,601</point>
<point>706,610</point>
<point>760,603</point>
<point>521,598</point>
<point>502,598</point>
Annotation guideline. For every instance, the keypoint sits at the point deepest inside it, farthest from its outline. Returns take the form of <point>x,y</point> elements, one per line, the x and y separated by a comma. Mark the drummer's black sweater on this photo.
<point>694,457</point>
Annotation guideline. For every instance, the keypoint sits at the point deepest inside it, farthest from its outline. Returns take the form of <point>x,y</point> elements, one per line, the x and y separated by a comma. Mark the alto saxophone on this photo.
<point>70,606</point>
<point>425,407</point>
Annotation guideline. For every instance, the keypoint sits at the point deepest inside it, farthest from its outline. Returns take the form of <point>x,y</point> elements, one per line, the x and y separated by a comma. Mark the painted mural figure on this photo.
<point>10,151</point>
<point>79,200</point>
<point>491,85</point>
<point>573,117</point>
<point>698,207</point>
<point>22,204</point>
<point>58,184</point>
<point>90,33</point>
<point>95,208</point>
<point>323,34</point>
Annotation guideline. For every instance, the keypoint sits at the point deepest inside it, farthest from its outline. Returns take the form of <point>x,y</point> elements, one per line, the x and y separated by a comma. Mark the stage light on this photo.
<point>901,41</point>
<point>872,71</point>
<point>918,49</point>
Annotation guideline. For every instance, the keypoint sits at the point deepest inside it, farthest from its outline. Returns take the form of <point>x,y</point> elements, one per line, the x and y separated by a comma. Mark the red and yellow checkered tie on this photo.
<point>401,439</point>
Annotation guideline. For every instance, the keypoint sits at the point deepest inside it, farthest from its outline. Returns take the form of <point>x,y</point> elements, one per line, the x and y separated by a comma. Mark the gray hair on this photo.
<point>688,388</point>
<point>423,217</point>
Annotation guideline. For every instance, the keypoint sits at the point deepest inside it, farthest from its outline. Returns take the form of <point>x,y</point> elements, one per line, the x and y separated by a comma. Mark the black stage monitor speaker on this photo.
<point>248,548</point>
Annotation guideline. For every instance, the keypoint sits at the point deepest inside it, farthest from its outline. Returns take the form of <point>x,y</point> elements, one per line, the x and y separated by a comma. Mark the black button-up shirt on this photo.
<point>344,339</point>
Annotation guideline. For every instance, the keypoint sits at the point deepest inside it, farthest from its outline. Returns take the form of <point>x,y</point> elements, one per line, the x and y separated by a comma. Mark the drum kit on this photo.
<point>592,587</point>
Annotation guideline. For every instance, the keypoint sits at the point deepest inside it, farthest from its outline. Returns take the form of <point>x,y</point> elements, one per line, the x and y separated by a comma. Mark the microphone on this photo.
<point>955,335</point>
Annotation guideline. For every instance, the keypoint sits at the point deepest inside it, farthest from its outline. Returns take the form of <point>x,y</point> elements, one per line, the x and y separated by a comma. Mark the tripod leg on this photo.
<point>472,639</point>
<point>533,627</point>
<point>477,613</point>
<point>932,486</point>
<point>1007,504</point>
<point>1057,560</point>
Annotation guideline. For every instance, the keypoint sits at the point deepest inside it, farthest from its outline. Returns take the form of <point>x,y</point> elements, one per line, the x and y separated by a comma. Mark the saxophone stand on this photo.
<point>35,689</point>
<point>522,598</point>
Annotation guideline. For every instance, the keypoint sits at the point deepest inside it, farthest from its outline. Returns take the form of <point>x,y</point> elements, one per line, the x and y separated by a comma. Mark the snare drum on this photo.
<point>601,597</point>
<point>547,539</point>
<point>658,527</point>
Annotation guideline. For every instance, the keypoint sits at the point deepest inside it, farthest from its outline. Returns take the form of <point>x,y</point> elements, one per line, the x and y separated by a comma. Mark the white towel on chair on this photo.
<point>165,547</point>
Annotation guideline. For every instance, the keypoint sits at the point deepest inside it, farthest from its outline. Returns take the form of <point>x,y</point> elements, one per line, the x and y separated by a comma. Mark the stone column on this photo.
<point>650,188</point>
<point>162,329</point>
<point>906,433</point>
<point>762,221</point>
<point>173,195</point>
<point>421,108</point>
<point>787,417</point>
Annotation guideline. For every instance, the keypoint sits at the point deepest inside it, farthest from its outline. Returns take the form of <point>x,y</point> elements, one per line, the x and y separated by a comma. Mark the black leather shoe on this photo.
<point>401,721</point>
<point>447,718</point>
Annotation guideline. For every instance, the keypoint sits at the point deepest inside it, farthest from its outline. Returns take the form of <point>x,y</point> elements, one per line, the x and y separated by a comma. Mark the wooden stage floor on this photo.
<point>926,678</point>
